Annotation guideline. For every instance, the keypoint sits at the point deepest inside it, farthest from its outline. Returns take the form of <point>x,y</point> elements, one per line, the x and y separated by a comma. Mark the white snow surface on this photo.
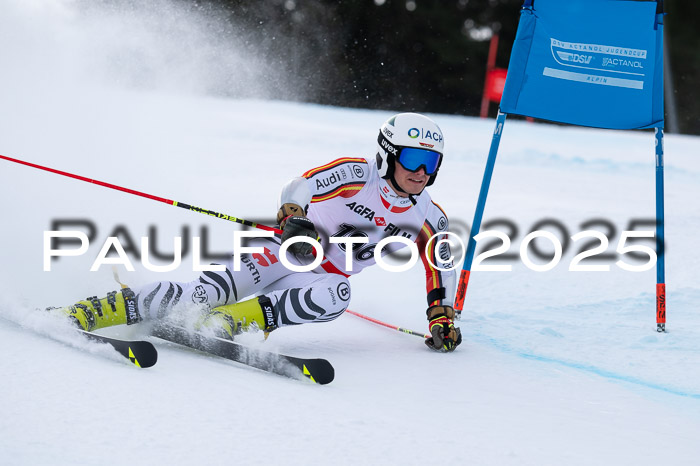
<point>556,367</point>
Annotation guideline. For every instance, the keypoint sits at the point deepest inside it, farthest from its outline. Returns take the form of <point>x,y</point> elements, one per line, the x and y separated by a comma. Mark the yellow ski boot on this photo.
<point>118,307</point>
<point>232,319</point>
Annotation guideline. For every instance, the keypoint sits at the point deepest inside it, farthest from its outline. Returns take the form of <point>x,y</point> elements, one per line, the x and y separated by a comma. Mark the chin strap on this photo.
<point>397,187</point>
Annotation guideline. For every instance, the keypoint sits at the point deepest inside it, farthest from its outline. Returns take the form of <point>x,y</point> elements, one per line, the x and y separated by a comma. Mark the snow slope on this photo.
<point>556,367</point>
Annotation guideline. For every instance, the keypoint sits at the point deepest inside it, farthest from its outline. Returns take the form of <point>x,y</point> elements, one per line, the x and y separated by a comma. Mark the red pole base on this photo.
<point>461,292</point>
<point>660,307</point>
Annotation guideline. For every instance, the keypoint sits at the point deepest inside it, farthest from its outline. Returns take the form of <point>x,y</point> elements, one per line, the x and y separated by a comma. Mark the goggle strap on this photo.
<point>385,144</point>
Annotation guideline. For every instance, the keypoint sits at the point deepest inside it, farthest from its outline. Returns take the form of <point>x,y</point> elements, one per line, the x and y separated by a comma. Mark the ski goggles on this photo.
<point>412,159</point>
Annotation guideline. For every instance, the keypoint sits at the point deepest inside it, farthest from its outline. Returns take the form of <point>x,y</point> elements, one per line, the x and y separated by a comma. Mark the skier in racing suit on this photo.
<point>348,199</point>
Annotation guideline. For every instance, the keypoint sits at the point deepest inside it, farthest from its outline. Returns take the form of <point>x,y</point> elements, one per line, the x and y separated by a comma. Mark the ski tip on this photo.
<point>319,371</point>
<point>140,353</point>
<point>147,356</point>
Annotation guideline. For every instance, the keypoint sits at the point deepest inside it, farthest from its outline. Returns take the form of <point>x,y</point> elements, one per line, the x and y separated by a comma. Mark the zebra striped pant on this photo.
<point>298,297</point>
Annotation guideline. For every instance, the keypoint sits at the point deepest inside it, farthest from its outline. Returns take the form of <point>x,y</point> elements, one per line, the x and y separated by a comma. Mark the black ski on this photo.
<point>319,371</point>
<point>141,353</point>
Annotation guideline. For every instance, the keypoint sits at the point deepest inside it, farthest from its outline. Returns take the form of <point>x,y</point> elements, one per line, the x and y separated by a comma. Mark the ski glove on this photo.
<point>445,336</point>
<point>293,222</point>
<point>289,210</point>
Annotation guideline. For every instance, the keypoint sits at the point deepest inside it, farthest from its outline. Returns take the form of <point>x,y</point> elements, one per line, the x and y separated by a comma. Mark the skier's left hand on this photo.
<point>445,336</point>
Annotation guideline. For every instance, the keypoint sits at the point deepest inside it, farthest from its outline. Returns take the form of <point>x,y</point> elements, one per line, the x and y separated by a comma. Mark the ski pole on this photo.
<point>199,210</point>
<point>393,327</point>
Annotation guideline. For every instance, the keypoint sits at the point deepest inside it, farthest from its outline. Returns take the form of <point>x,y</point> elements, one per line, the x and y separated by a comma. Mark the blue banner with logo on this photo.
<point>592,63</point>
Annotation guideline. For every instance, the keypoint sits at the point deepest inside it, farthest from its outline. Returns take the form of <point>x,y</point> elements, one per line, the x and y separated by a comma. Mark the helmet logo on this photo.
<point>414,133</point>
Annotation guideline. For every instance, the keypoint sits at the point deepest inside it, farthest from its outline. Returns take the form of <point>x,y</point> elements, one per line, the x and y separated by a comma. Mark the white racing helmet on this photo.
<point>414,141</point>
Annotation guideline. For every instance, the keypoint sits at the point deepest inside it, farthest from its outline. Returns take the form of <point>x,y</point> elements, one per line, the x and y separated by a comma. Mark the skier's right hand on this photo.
<point>287,210</point>
<point>293,223</point>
